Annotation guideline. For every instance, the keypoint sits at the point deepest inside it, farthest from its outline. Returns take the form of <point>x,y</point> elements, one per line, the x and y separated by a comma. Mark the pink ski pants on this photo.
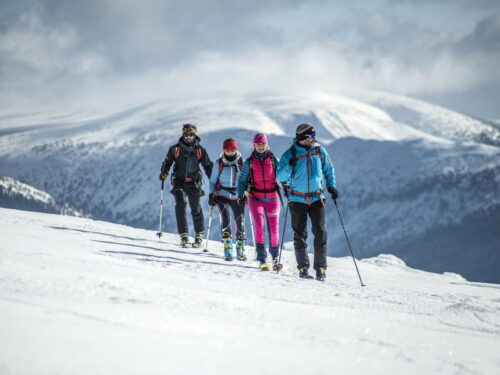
<point>263,212</point>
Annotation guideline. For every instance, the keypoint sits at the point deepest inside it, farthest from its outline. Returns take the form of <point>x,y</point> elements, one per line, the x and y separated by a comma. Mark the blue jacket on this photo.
<point>310,175</point>
<point>225,183</point>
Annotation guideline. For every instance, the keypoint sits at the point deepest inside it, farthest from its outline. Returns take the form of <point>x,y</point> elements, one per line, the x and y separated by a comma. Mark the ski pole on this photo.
<point>208,231</point>
<point>282,239</point>
<point>348,243</point>
<point>159,234</point>
<point>253,233</point>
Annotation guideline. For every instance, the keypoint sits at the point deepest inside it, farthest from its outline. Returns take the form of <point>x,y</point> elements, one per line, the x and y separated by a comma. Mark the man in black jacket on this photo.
<point>186,156</point>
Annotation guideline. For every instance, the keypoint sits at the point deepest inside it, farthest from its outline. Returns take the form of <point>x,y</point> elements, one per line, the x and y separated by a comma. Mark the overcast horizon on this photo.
<point>79,53</point>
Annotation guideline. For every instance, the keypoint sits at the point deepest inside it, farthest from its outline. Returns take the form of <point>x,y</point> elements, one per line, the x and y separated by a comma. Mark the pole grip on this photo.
<point>162,184</point>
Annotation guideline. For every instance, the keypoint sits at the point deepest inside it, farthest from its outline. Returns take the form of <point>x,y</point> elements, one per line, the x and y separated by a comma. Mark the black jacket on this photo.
<point>187,163</point>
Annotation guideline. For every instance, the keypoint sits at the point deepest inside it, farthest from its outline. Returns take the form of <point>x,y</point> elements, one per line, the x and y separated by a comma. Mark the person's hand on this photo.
<point>286,189</point>
<point>334,192</point>
<point>163,176</point>
<point>242,199</point>
<point>212,199</point>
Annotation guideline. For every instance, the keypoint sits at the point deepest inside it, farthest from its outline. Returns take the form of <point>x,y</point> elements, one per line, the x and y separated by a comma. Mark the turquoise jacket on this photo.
<point>313,171</point>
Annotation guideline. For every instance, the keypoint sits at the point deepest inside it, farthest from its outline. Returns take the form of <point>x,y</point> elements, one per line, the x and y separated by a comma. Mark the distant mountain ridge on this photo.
<point>412,176</point>
<point>17,195</point>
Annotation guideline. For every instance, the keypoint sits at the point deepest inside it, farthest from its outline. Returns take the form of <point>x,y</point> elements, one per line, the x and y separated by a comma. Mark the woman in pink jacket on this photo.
<point>258,178</point>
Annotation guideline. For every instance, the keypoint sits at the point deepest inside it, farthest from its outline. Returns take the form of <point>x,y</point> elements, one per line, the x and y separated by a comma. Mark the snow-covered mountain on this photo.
<point>416,180</point>
<point>86,297</point>
<point>15,194</point>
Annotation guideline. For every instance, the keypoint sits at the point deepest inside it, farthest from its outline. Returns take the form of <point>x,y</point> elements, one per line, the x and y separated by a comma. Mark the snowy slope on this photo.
<point>15,194</point>
<point>87,297</point>
<point>416,180</point>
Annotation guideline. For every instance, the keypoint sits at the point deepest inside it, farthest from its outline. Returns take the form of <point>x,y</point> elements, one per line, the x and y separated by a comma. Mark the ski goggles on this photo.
<point>311,135</point>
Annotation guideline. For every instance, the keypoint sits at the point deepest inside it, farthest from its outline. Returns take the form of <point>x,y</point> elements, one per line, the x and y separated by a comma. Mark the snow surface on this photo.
<point>87,297</point>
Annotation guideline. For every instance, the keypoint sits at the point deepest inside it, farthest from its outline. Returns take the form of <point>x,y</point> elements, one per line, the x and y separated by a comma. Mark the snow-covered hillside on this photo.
<point>15,194</point>
<point>415,179</point>
<point>87,297</point>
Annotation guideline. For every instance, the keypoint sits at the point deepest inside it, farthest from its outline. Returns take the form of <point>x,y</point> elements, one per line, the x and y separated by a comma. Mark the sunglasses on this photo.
<point>312,135</point>
<point>189,135</point>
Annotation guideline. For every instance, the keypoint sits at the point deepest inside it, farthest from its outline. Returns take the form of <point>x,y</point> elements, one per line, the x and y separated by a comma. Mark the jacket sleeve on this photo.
<point>213,178</point>
<point>284,168</point>
<point>327,166</point>
<point>169,160</point>
<point>206,162</point>
<point>243,178</point>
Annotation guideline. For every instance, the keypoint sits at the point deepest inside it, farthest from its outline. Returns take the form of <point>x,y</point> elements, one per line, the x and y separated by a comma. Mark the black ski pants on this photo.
<point>192,192</point>
<point>227,205</point>
<point>299,212</point>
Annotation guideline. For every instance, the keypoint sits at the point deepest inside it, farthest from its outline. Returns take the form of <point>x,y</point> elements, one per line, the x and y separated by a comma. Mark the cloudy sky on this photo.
<point>83,52</point>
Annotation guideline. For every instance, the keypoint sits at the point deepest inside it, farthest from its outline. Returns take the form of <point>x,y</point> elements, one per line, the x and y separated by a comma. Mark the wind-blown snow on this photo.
<point>87,297</point>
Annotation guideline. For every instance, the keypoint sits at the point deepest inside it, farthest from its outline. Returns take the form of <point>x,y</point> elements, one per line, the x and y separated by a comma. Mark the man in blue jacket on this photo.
<point>302,170</point>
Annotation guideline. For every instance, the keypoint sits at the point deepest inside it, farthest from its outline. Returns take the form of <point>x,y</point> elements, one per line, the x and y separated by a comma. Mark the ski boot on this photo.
<point>185,240</point>
<point>320,274</point>
<point>265,266</point>
<point>276,265</point>
<point>198,240</point>
<point>304,274</point>
<point>240,250</point>
<point>228,246</point>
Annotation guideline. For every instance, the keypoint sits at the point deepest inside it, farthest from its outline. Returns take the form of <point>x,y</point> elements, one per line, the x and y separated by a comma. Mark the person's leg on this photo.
<point>193,194</point>
<point>225,215</point>
<point>257,211</point>
<point>180,208</point>
<point>272,212</point>
<point>317,215</point>
<point>239,219</point>
<point>298,213</point>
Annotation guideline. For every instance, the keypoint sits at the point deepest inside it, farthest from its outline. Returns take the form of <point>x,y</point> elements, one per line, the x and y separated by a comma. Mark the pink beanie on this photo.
<point>260,138</point>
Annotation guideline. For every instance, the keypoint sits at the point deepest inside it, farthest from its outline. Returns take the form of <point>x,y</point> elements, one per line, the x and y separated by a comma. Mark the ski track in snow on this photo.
<point>81,296</point>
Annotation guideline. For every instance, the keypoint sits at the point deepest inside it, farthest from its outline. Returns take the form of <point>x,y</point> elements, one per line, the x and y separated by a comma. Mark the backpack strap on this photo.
<point>177,152</point>
<point>199,152</point>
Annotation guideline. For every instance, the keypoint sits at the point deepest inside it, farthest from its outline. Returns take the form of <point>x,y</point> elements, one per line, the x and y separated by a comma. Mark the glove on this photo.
<point>286,189</point>
<point>212,199</point>
<point>333,192</point>
<point>163,176</point>
<point>242,199</point>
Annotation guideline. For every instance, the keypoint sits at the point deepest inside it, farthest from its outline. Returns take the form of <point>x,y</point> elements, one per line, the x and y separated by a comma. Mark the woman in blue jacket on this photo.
<point>302,170</point>
<point>224,193</point>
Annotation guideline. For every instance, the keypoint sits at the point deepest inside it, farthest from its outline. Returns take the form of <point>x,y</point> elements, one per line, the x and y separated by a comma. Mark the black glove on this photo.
<point>333,192</point>
<point>242,199</point>
<point>286,189</point>
<point>212,199</point>
<point>163,176</point>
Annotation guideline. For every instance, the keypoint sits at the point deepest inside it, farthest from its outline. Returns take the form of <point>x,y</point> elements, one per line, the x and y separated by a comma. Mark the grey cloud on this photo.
<point>62,48</point>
